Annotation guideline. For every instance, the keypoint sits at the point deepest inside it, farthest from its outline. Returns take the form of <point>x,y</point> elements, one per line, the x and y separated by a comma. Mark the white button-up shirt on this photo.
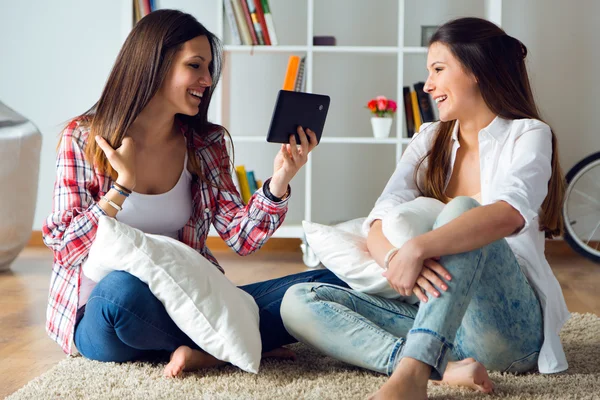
<point>515,162</point>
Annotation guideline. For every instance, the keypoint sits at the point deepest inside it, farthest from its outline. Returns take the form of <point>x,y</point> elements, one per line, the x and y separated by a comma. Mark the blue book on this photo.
<point>251,182</point>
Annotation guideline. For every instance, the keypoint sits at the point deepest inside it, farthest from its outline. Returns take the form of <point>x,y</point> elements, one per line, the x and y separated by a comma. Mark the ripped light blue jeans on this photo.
<point>489,312</point>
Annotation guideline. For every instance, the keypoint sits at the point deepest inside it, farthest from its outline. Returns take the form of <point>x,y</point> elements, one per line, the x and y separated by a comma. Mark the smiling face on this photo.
<point>188,78</point>
<point>454,90</point>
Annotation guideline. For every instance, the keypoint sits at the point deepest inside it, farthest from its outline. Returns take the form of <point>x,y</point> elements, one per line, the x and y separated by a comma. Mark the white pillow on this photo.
<point>410,219</point>
<point>346,255</point>
<point>343,248</point>
<point>219,317</point>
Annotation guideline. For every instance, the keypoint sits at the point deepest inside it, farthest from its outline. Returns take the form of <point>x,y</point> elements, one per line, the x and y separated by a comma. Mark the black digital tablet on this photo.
<point>293,109</point>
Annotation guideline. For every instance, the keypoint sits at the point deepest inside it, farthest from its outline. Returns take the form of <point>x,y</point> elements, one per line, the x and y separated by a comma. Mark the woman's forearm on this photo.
<point>377,243</point>
<point>471,230</point>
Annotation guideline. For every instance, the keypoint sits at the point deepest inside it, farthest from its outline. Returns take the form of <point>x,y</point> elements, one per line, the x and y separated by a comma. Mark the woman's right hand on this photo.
<point>121,159</point>
<point>430,280</point>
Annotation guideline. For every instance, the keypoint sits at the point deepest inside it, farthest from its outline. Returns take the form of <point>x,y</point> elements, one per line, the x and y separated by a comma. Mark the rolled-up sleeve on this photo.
<point>402,186</point>
<point>526,184</point>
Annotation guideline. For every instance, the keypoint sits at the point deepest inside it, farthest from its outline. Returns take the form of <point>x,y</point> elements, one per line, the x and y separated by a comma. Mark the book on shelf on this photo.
<point>418,107</point>
<point>251,182</point>
<point>236,37</point>
<point>255,24</point>
<point>408,112</point>
<point>141,8</point>
<point>425,103</point>
<point>300,84</point>
<point>291,73</point>
<point>269,21</point>
<point>246,183</point>
<point>240,21</point>
<point>242,177</point>
<point>261,20</point>
<point>250,21</point>
<point>416,112</point>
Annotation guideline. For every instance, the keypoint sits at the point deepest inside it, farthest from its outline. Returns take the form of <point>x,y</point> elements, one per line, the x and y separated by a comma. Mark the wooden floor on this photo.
<point>26,351</point>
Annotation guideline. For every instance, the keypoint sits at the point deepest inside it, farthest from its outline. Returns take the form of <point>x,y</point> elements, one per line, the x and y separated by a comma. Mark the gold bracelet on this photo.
<point>112,203</point>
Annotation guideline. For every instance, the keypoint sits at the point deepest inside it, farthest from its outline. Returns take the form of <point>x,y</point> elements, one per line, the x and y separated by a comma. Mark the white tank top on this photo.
<point>161,214</point>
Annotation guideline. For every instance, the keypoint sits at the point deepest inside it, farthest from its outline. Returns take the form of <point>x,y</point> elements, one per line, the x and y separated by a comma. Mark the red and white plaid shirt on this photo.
<point>71,228</point>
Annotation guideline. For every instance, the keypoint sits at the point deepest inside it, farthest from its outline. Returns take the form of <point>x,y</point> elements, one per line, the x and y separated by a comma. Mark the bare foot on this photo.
<point>468,373</point>
<point>188,359</point>
<point>408,382</point>
<point>280,353</point>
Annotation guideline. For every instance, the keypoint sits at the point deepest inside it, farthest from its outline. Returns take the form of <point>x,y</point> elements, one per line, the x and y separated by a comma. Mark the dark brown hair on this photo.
<point>497,61</point>
<point>139,71</point>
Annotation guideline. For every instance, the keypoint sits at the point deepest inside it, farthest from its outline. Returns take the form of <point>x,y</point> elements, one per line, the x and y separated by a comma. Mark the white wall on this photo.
<point>562,40</point>
<point>55,57</point>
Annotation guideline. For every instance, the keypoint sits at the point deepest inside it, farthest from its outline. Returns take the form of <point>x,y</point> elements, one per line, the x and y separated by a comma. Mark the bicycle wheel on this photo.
<point>581,208</point>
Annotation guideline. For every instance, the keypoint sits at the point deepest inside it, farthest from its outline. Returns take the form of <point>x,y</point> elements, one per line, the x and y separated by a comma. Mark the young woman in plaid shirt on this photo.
<point>123,158</point>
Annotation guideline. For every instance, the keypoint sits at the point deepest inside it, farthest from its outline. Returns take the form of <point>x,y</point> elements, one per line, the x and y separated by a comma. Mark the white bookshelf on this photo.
<point>402,47</point>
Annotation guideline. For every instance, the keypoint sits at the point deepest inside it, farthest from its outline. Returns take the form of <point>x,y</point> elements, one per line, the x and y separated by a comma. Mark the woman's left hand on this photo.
<point>290,159</point>
<point>404,268</point>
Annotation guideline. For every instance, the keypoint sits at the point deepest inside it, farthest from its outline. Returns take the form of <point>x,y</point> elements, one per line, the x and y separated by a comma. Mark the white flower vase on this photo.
<point>381,127</point>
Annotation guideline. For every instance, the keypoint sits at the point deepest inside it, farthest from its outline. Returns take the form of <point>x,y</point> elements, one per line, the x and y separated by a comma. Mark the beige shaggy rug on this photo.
<point>312,376</point>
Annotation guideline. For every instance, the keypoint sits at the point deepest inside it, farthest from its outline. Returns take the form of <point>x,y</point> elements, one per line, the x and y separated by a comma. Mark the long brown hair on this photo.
<point>138,73</point>
<point>498,63</point>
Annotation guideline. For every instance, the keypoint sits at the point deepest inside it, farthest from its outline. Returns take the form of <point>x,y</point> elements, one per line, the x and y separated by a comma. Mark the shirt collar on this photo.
<point>497,129</point>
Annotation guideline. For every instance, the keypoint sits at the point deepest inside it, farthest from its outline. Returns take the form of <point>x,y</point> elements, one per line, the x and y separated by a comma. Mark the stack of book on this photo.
<point>245,182</point>
<point>295,77</point>
<point>418,108</point>
<point>141,8</point>
<point>251,22</point>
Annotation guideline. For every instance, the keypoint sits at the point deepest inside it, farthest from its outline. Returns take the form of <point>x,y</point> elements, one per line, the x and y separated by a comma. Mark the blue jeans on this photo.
<point>124,321</point>
<point>490,313</point>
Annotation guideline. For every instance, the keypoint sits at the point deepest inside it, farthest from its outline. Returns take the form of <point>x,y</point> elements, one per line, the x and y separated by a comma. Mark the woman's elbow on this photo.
<point>512,218</point>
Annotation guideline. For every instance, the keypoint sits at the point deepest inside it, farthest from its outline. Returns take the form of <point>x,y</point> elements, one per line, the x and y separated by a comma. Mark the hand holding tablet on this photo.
<point>303,116</point>
<point>297,109</point>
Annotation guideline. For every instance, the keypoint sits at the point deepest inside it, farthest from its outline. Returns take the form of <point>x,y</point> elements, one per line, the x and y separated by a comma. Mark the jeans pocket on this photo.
<point>524,364</point>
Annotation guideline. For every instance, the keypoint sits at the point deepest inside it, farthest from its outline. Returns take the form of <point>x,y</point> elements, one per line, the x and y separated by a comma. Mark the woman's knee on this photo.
<point>456,207</point>
<point>298,309</point>
<point>121,288</point>
<point>295,300</point>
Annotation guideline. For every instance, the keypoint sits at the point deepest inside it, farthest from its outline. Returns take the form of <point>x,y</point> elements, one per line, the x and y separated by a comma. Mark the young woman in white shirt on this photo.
<point>488,298</point>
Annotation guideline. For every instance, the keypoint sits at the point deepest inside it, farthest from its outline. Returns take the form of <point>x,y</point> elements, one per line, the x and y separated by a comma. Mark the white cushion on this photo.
<point>20,145</point>
<point>219,317</point>
<point>410,219</point>
<point>343,248</point>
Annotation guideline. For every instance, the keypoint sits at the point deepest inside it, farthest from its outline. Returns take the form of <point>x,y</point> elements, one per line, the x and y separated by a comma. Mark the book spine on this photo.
<point>416,113</point>
<point>291,72</point>
<point>240,171</point>
<point>255,23</point>
<point>261,19</point>
<point>269,22</point>
<point>425,103</point>
<point>241,22</point>
<point>235,33</point>
<point>251,182</point>
<point>136,12</point>
<point>249,23</point>
<point>148,7</point>
<point>298,87</point>
<point>408,112</point>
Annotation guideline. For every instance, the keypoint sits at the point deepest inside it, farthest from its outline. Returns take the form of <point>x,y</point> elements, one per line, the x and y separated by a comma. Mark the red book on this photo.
<point>261,19</point>
<point>249,22</point>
